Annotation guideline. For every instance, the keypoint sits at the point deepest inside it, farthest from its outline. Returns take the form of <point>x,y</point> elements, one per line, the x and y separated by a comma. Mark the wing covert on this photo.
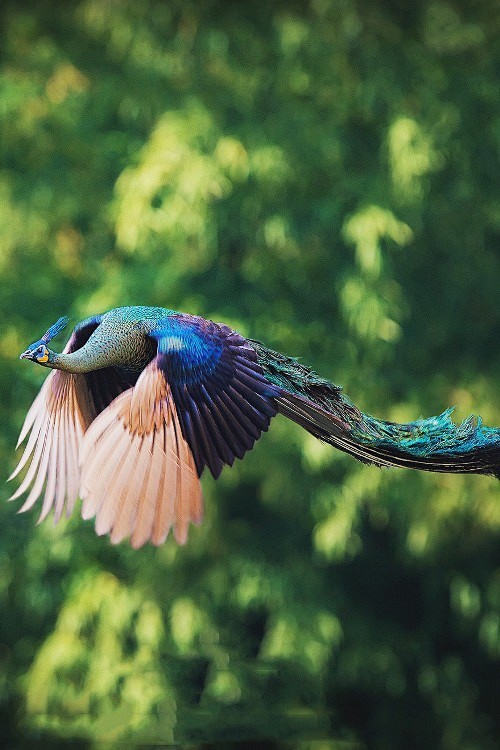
<point>223,399</point>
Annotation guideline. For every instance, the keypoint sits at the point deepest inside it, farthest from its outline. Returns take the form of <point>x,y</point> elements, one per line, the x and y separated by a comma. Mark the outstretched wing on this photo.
<point>223,399</point>
<point>56,423</point>
<point>202,401</point>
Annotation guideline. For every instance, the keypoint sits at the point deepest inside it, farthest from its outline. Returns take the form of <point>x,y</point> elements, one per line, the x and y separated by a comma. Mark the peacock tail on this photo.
<point>432,444</point>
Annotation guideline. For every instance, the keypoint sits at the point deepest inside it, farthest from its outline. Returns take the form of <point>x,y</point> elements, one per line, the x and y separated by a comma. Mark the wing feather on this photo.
<point>98,468</point>
<point>73,469</point>
<point>55,423</point>
<point>51,483</point>
<point>112,501</point>
<point>61,487</point>
<point>165,515</point>
<point>157,535</point>
<point>36,428</point>
<point>126,514</point>
<point>141,530</point>
<point>38,470</point>
<point>55,467</point>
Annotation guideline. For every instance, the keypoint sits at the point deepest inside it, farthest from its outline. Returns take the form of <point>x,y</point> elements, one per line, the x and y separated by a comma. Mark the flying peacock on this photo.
<point>143,398</point>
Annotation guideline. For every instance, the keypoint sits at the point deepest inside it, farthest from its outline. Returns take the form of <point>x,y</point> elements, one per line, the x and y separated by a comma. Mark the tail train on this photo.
<point>433,444</point>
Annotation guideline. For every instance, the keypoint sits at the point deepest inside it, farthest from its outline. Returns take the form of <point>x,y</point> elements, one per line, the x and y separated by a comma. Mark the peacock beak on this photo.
<point>26,355</point>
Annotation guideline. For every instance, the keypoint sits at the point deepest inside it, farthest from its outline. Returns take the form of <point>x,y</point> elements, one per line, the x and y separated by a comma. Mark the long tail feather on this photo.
<point>433,444</point>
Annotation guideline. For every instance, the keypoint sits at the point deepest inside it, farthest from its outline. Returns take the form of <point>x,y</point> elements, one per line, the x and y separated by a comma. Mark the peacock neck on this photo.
<point>110,345</point>
<point>76,362</point>
<point>86,359</point>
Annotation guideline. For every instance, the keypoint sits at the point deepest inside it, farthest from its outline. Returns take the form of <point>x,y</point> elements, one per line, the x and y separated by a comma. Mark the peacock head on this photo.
<point>38,351</point>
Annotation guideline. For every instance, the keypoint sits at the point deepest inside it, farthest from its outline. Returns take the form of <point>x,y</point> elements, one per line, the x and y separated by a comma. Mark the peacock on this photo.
<point>142,399</point>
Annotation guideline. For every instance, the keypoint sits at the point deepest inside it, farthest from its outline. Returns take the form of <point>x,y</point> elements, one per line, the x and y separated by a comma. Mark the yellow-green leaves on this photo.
<point>98,673</point>
<point>371,301</point>
<point>412,155</point>
<point>167,196</point>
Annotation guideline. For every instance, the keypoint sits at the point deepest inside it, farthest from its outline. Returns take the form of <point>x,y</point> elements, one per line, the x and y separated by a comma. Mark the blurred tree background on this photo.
<point>323,176</point>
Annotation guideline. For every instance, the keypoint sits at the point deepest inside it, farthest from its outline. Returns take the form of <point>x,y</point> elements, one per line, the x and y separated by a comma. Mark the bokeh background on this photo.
<point>324,176</point>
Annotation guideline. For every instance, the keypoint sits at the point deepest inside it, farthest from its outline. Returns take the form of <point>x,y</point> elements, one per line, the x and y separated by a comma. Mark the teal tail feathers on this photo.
<point>434,436</point>
<point>433,444</point>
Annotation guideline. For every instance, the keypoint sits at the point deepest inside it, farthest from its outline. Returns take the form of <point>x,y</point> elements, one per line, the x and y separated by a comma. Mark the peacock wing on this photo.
<point>55,424</point>
<point>138,473</point>
<point>224,401</point>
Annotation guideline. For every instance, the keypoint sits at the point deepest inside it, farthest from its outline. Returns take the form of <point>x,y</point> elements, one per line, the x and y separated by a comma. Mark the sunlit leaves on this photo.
<point>98,674</point>
<point>336,534</point>
<point>372,304</point>
<point>169,192</point>
<point>412,155</point>
<point>186,622</point>
<point>306,637</point>
<point>365,230</point>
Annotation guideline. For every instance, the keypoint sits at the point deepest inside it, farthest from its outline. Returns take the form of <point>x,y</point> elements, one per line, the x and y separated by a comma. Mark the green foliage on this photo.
<point>98,673</point>
<point>322,176</point>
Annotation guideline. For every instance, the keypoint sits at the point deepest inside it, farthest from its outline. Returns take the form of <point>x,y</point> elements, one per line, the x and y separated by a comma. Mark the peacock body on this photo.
<point>143,398</point>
